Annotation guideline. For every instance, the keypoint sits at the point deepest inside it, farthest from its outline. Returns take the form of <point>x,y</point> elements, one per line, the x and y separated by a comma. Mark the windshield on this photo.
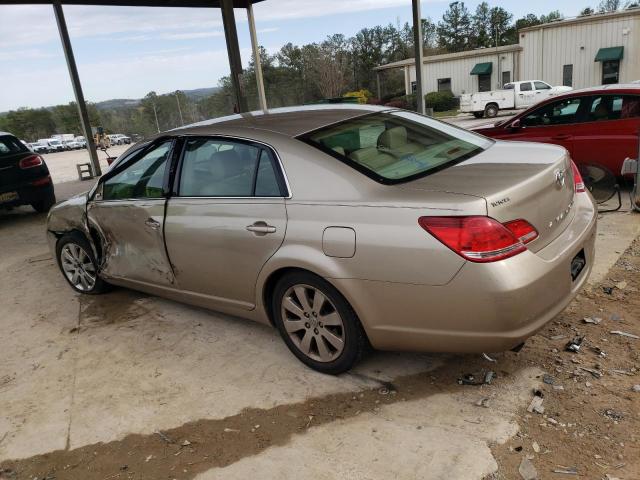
<point>397,146</point>
<point>54,142</point>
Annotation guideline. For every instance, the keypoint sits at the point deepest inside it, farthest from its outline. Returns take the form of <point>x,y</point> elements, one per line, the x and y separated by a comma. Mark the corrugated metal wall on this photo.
<point>546,51</point>
<point>458,70</point>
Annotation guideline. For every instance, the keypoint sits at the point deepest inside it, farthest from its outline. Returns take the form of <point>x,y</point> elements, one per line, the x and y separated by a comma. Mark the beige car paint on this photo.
<point>409,291</point>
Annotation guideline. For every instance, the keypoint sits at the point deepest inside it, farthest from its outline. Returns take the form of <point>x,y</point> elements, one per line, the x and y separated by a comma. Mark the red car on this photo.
<point>599,125</point>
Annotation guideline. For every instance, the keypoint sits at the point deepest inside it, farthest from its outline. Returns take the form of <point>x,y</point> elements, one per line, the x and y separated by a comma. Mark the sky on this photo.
<point>126,52</point>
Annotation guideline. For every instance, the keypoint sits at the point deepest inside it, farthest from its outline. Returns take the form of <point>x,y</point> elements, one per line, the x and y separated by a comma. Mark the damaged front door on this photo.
<point>128,212</point>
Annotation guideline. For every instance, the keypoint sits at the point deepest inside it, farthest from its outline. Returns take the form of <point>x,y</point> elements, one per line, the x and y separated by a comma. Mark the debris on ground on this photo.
<point>566,470</point>
<point>636,388</point>
<point>574,345</point>
<point>592,371</point>
<point>488,358</point>
<point>613,414</point>
<point>621,285</point>
<point>185,443</point>
<point>607,290</point>
<point>483,402</point>
<point>548,379</point>
<point>536,447</point>
<point>483,378</point>
<point>592,320</point>
<point>536,403</point>
<point>527,470</point>
<point>624,334</point>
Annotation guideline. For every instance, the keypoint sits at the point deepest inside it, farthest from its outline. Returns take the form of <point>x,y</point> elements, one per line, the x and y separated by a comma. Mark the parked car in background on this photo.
<point>52,144</point>
<point>81,141</point>
<point>71,145</point>
<point>38,148</point>
<point>342,226</point>
<point>597,125</point>
<point>514,95</point>
<point>119,139</point>
<point>24,176</point>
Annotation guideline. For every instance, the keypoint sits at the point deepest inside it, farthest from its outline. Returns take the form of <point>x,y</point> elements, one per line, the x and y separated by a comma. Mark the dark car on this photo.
<point>597,125</point>
<point>24,177</point>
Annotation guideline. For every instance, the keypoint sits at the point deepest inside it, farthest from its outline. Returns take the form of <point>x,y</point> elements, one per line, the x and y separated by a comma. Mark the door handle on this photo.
<point>261,228</point>
<point>562,136</point>
<point>151,223</point>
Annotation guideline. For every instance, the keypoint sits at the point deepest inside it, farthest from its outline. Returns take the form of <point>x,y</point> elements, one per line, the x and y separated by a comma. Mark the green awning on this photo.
<point>611,53</point>
<point>482,69</point>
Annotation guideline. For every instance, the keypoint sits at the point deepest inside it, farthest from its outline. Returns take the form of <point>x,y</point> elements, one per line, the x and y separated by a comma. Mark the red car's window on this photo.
<point>614,107</point>
<point>630,107</point>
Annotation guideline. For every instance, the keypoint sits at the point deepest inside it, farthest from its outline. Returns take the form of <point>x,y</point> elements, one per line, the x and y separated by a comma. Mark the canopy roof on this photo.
<point>611,53</point>
<point>482,68</point>
<point>136,3</point>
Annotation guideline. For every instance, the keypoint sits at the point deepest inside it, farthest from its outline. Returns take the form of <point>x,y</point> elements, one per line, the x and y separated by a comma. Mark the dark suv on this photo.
<point>24,177</point>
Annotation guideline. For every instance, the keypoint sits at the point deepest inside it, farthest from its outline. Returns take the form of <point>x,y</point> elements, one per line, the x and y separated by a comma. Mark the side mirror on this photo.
<point>515,125</point>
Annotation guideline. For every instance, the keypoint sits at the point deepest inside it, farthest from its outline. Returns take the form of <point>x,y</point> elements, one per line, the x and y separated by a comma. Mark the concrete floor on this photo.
<point>79,370</point>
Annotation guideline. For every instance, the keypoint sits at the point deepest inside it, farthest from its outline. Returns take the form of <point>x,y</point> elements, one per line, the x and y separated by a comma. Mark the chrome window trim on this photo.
<point>289,195</point>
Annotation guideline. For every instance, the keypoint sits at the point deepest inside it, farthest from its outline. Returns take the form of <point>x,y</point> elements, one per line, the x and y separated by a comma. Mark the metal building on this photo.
<point>578,52</point>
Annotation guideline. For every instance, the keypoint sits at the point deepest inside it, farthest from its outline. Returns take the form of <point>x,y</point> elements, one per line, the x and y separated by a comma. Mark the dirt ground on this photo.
<point>590,423</point>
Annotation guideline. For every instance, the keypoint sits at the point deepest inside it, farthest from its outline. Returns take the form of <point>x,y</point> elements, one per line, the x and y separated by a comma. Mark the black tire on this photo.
<point>77,239</point>
<point>478,114</point>
<point>43,205</point>
<point>354,338</point>
<point>491,110</point>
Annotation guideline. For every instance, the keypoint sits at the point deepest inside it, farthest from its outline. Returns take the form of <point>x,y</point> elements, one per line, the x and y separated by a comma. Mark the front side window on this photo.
<point>561,112</point>
<point>143,178</point>
<point>393,147</point>
<point>541,86</point>
<point>213,167</point>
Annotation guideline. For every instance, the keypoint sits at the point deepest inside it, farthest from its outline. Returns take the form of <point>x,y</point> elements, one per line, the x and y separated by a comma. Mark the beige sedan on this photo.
<point>344,227</point>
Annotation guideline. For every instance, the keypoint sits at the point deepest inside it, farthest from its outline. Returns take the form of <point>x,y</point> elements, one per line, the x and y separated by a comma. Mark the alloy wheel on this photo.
<point>78,267</point>
<point>313,323</point>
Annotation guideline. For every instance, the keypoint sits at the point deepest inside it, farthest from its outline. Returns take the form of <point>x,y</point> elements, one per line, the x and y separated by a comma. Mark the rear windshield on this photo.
<point>397,146</point>
<point>10,145</point>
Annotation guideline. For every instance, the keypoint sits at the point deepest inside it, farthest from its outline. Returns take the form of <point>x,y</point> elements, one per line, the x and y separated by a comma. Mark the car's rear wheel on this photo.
<point>317,323</point>
<point>78,264</point>
<point>491,110</point>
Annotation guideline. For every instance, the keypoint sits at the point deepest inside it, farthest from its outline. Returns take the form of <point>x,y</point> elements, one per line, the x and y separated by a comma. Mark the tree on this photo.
<point>586,11</point>
<point>455,28</point>
<point>500,24</point>
<point>607,6</point>
<point>551,17</point>
<point>482,26</point>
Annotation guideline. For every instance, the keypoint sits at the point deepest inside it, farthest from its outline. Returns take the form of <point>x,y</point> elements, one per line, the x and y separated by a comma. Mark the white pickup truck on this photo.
<point>514,95</point>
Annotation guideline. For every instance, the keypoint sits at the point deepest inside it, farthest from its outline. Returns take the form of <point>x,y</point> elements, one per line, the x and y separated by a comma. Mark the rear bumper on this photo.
<point>485,307</point>
<point>27,193</point>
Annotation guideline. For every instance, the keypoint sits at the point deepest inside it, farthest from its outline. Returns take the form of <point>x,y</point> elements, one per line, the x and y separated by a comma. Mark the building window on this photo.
<point>414,87</point>
<point>444,84</point>
<point>506,78</point>
<point>567,75</point>
<point>610,72</point>
<point>484,83</point>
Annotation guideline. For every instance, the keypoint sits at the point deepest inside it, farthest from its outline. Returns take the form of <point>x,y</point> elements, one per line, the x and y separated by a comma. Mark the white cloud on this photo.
<point>268,30</point>
<point>192,35</point>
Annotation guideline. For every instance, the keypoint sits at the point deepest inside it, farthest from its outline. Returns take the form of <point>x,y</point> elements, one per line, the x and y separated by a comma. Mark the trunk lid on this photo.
<point>531,181</point>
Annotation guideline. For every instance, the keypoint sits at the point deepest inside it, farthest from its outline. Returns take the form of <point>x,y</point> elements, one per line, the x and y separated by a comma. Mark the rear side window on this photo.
<point>614,107</point>
<point>213,167</point>
<point>10,145</point>
<point>397,146</point>
<point>525,87</point>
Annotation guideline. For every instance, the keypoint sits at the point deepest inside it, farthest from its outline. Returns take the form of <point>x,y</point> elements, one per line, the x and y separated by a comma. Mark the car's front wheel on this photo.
<point>78,264</point>
<point>317,323</point>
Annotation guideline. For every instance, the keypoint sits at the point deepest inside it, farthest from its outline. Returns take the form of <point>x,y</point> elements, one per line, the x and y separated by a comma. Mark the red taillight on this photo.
<point>31,161</point>
<point>577,178</point>
<point>478,239</point>
<point>523,230</point>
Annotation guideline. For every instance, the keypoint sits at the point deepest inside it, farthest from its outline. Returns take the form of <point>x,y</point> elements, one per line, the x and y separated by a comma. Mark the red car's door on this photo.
<point>553,122</point>
<point>609,132</point>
